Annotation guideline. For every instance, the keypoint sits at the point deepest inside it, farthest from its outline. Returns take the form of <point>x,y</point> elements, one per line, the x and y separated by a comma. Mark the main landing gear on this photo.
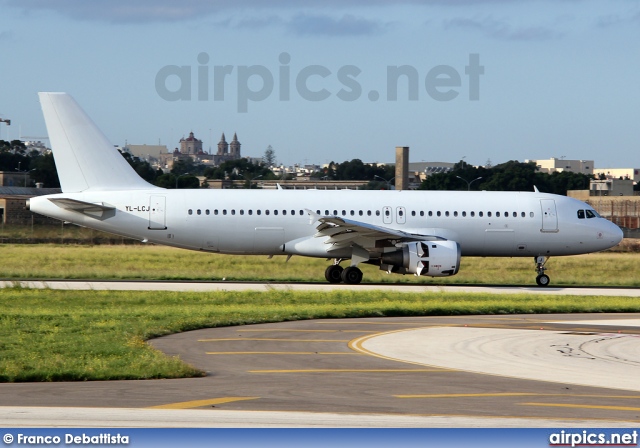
<point>542,279</point>
<point>350,275</point>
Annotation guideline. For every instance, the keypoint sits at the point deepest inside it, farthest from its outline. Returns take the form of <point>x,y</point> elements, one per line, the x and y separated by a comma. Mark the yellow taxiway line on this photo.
<point>201,403</point>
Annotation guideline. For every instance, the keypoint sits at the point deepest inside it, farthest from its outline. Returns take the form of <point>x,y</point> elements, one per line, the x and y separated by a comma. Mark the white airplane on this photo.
<point>405,232</point>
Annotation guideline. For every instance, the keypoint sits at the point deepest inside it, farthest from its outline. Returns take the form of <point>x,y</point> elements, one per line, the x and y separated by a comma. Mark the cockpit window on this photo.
<point>592,214</point>
<point>580,214</point>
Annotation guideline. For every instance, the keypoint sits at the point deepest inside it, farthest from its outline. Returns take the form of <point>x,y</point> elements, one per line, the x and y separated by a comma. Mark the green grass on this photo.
<point>50,335</point>
<point>49,261</point>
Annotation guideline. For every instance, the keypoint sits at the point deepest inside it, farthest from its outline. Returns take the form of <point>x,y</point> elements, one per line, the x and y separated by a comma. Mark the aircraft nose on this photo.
<point>614,233</point>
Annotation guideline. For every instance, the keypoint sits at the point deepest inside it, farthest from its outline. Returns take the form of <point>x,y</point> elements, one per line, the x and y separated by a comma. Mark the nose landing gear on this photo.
<point>542,279</point>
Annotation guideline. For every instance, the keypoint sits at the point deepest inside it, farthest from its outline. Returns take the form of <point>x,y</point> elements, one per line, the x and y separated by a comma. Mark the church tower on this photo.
<point>235,147</point>
<point>223,146</point>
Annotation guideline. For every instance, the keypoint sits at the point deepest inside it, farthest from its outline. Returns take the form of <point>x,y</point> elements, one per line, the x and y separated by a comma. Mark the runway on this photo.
<point>118,285</point>
<point>371,372</point>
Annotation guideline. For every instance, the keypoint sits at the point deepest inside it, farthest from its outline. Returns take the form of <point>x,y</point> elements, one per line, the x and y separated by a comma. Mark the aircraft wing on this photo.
<point>342,232</point>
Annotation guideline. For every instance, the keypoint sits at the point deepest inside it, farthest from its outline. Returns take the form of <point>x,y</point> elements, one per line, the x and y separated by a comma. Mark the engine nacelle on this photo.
<point>430,258</point>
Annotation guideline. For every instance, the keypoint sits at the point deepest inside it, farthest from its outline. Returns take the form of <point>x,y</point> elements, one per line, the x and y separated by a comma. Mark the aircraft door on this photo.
<point>157,213</point>
<point>549,215</point>
<point>401,215</point>
<point>387,215</point>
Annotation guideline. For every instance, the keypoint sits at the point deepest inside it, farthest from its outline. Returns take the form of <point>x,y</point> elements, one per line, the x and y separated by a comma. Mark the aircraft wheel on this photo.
<point>333,273</point>
<point>542,280</point>
<point>352,275</point>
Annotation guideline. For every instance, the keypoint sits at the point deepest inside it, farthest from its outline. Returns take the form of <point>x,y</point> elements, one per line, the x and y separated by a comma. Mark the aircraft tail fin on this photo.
<point>85,160</point>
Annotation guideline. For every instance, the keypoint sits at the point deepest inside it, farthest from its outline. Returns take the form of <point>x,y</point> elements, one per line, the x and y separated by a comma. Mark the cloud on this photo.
<point>347,25</point>
<point>141,11</point>
<point>256,23</point>
<point>503,31</point>
<point>610,20</point>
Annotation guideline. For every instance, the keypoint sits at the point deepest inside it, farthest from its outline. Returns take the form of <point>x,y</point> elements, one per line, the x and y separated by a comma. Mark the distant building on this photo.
<point>553,165</point>
<point>13,208</point>
<point>618,173</point>
<point>611,187</point>
<point>147,152</point>
<point>190,145</point>
<point>15,179</point>
<point>227,151</point>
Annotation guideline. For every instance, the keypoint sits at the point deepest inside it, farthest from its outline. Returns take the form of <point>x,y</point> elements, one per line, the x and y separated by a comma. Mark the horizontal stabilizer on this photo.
<point>98,210</point>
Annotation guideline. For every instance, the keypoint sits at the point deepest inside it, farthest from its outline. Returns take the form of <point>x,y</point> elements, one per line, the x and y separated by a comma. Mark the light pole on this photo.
<point>185,174</point>
<point>251,181</point>
<point>469,183</point>
<point>7,122</point>
<point>387,181</point>
<point>25,173</point>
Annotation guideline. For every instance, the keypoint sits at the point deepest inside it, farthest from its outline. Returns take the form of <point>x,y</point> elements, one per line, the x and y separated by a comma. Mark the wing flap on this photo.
<point>342,232</point>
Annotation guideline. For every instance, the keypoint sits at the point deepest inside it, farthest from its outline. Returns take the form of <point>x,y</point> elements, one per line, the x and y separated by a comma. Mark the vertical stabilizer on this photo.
<point>85,160</point>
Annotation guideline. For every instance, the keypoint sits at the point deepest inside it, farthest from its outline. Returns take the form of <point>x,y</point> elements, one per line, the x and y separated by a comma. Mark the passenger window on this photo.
<point>464,214</point>
<point>233,212</point>
<point>302,212</point>
<point>430,213</point>
<point>473,214</point>
<point>580,214</point>
<point>215,212</point>
<point>190,212</point>
<point>446,213</point>
<point>368,212</point>
<point>224,212</point>
<point>344,213</point>
<point>421,212</point>
<point>387,213</point>
<point>266,212</point>
<point>497,214</point>
<point>352,213</point>
<point>531,214</point>
<point>455,214</point>
<point>413,213</point>
<point>400,213</point>
<point>207,211</point>
<point>523,214</point>
<point>199,212</point>
<point>515,214</point>
<point>590,214</point>
<point>361,213</point>
<point>377,212</point>
<point>335,213</point>
<point>284,212</point>
<point>439,213</point>
<point>242,212</point>
<point>258,212</point>
<point>250,212</point>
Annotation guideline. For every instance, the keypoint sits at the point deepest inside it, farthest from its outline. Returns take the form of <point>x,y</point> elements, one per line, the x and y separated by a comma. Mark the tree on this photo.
<point>269,157</point>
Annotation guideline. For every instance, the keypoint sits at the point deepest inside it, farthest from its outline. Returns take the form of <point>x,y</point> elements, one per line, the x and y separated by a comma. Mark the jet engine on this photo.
<point>430,258</point>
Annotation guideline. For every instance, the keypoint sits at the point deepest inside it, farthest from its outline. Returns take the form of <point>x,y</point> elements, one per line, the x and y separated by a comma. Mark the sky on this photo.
<point>335,80</point>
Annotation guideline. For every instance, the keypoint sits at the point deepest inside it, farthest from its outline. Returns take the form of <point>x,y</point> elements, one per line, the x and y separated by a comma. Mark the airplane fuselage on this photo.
<point>266,221</point>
